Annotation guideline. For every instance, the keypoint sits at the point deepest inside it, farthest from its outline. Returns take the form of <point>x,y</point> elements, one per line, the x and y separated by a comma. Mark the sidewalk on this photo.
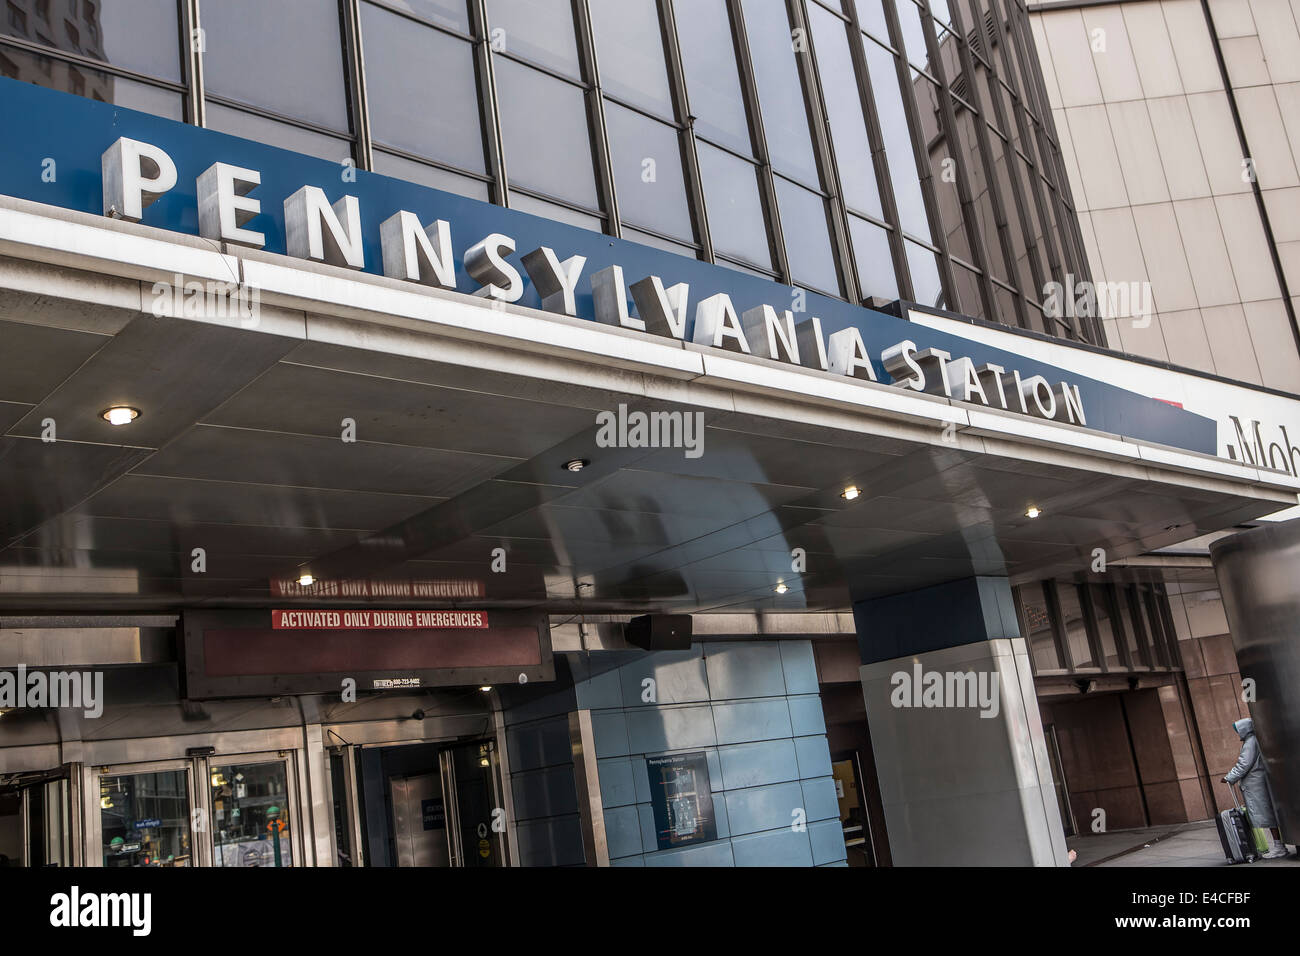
<point>1182,844</point>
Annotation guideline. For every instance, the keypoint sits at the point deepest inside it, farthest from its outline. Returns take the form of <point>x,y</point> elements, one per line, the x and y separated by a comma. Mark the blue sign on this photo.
<point>151,824</point>
<point>54,142</point>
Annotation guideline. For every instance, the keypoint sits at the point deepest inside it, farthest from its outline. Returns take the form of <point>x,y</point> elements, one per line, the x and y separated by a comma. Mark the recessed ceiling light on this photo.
<point>576,464</point>
<point>781,588</point>
<point>306,580</point>
<point>485,688</point>
<point>120,414</point>
<point>849,493</point>
<point>1033,512</point>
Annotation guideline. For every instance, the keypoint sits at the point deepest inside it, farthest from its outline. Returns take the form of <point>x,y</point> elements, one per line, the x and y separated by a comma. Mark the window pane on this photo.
<point>448,13</point>
<point>263,130</point>
<point>140,35</point>
<point>897,140</point>
<point>926,287</point>
<point>550,210</point>
<point>967,292</point>
<point>807,243</point>
<point>538,30</point>
<point>735,212</point>
<point>635,235</point>
<point>872,17</point>
<point>712,80</point>
<point>412,172</point>
<point>1038,622</point>
<point>1076,632</point>
<point>780,90</point>
<point>844,110</point>
<point>93,84</point>
<point>544,124</point>
<point>909,19</point>
<point>444,127</point>
<point>1137,650</point>
<point>871,254</point>
<point>250,815</point>
<point>145,819</point>
<point>292,63</point>
<point>1105,629</point>
<point>647,164</point>
<point>630,51</point>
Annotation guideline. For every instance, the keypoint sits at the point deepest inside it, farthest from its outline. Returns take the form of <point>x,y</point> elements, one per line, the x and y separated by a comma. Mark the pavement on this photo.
<point>1183,844</point>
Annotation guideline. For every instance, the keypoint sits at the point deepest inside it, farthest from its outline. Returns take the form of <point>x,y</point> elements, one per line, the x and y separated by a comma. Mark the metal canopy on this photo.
<point>460,446</point>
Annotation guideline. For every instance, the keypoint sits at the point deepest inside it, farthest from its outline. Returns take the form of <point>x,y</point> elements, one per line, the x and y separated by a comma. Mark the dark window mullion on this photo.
<point>824,149</point>
<point>193,62</point>
<point>1090,625</point>
<point>1117,626</point>
<point>686,132</point>
<point>903,77</point>
<point>355,77</point>
<point>981,132</point>
<point>880,161</point>
<point>1029,136</point>
<point>599,136</point>
<point>948,125</point>
<point>767,182</point>
<point>1009,158</point>
<point>1058,626</point>
<point>489,104</point>
<point>1141,632</point>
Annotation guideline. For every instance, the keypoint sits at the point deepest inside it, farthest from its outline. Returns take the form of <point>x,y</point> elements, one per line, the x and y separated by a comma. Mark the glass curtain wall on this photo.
<point>866,149</point>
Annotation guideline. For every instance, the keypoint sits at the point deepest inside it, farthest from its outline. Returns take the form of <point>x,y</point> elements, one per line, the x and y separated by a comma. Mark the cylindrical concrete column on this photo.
<point>1259,576</point>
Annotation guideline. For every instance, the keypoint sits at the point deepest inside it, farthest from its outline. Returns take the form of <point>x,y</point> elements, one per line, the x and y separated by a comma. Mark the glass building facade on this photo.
<point>868,149</point>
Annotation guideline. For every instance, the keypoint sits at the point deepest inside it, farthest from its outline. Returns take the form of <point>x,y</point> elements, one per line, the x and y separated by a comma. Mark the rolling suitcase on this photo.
<point>1235,834</point>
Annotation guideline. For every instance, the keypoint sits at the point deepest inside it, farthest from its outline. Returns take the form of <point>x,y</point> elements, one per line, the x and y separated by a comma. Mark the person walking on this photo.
<point>1253,776</point>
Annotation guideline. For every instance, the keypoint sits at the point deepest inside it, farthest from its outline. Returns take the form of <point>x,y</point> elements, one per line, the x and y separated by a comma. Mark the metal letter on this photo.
<point>225,206</point>
<point>306,211</point>
<point>485,264</point>
<point>663,312</point>
<point>936,361</point>
<point>555,281</point>
<point>135,174</point>
<point>716,324</point>
<point>609,295</point>
<point>900,362</point>
<point>413,252</point>
<point>812,342</point>
<point>848,354</point>
<point>771,335</point>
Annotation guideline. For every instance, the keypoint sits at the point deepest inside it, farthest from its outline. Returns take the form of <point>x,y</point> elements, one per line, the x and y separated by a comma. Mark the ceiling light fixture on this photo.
<point>120,414</point>
<point>485,688</point>
<point>849,493</point>
<point>306,580</point>
<point>1033,512</point>
<point>780,587</point>
<point>576,464</point>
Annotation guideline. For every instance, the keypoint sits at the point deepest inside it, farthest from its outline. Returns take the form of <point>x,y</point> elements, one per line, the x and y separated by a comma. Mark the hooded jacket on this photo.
<point>1250,771</point>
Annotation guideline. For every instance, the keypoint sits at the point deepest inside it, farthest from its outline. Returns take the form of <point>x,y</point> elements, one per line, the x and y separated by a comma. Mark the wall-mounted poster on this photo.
<point>681,798</point>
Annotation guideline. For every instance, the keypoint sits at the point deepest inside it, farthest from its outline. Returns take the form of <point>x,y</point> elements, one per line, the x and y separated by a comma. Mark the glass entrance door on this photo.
<point>477,833</point>
<point>424,805</point>
<point>144,815</point>
<point>252,811</point>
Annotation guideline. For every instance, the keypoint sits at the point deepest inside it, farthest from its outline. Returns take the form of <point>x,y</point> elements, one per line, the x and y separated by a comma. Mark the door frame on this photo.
<point>93,819</point>
<point>288,758</point>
